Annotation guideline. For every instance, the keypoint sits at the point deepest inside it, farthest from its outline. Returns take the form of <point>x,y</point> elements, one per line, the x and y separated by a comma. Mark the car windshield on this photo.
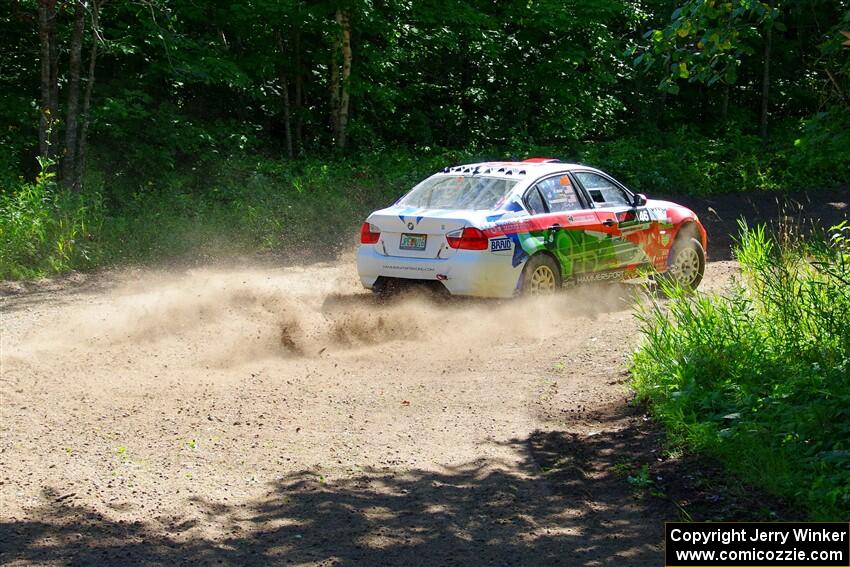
<point>459,192</point>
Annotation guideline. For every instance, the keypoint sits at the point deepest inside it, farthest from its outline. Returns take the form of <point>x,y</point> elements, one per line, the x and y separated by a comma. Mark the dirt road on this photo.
<point>249,416</point>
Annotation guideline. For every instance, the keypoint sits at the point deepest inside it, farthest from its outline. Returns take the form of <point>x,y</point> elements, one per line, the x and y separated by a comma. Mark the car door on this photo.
<point>625,226</point>
<point>569,227</point>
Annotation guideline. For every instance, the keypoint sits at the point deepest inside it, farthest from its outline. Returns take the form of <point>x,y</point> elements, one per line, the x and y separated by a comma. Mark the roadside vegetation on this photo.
<point>249,203</point>
<point>760,376</point>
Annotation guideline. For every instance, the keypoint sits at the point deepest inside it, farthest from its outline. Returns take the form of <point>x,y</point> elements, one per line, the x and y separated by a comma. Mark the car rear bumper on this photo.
<point>466,272</point>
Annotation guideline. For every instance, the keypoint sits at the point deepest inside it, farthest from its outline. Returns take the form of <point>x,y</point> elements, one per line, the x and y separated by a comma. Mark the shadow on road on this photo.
<point>555,508</point>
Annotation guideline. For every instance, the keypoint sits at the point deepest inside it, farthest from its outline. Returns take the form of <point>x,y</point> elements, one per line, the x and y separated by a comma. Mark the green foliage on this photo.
<point>241,205</point>
<point>250,204</point>
<point>44,230</point>
<point>808,154</point>
<point>686,161</point>
<point>822,151</point>
<point>705,41</point>
<point>760,377</point>
<point>641,479</point>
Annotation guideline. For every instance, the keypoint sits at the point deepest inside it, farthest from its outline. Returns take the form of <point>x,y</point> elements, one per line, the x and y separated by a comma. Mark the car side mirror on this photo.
<point>640,200</point>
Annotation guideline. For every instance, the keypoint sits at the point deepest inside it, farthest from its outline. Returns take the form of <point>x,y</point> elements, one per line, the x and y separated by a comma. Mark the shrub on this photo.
<point>822,151</point>
<point>760,377</point>
<point>44,230</point>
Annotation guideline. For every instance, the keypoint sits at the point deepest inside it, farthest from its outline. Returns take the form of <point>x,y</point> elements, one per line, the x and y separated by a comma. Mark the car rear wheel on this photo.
<point>541,276</point>
<point>686,265</point>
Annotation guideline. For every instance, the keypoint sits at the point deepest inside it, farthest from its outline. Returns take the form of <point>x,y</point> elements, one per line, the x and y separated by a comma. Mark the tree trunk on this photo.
<point>284,92</point>
<point>342,123</point>
<point>46,14</point>
<point>334,86</point>
<point>765,84</point>
<point>69,163</point>
<point>724,110</point>
<point>54,81</point>
<point>661,112</point>
<point>299,94</point>
<point>80,165</point>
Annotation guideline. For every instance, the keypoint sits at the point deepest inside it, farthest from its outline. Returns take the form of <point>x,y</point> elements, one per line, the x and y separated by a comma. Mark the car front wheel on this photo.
<point>686,265</point>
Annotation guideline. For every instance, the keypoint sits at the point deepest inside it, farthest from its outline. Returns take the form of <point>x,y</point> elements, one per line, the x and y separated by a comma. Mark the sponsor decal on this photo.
<point>499,244</point>
<point>659,214</point>
<point>600,276</point>
<point>511,227</point>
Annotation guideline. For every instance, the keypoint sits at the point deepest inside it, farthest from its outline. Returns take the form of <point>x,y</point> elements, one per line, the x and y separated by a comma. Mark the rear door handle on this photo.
<point>609,222</point>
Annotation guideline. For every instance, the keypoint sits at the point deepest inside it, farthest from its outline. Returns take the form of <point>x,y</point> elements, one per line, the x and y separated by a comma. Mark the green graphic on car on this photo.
<point>577,251</point>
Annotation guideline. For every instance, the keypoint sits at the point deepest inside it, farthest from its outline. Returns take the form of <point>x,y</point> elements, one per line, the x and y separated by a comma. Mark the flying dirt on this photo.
<point>271,414</point>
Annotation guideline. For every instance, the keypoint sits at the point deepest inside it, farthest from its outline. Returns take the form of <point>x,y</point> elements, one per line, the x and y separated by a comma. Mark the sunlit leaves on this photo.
<point>705,41</point>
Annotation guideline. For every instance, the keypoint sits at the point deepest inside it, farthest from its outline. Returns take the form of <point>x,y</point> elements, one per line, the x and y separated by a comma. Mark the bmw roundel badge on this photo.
<point>410,226</point>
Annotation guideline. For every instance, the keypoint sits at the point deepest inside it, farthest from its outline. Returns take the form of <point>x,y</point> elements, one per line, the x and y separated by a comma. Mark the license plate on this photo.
<point>413,241</point>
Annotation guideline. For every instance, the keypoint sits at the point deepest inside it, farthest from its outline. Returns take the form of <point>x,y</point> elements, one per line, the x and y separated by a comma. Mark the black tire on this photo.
<point>686,263</point>
<point>540,276</point>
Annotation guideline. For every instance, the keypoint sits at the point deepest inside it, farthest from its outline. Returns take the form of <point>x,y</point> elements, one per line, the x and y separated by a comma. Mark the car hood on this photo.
<point>674,211</point>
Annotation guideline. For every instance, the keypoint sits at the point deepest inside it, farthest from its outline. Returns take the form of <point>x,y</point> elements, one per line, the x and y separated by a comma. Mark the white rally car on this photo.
<point>500,229</point>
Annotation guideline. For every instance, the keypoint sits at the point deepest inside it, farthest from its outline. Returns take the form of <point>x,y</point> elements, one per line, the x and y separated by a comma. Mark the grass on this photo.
<point>240,206</point>
<point>44,230</point>
<point>760,377</point>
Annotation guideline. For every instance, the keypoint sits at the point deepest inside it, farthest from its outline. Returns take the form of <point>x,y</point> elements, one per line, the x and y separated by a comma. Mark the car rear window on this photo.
<point>459,192</point>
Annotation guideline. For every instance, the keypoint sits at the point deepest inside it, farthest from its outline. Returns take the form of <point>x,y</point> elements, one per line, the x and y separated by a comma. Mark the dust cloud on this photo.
<point>225,317</point>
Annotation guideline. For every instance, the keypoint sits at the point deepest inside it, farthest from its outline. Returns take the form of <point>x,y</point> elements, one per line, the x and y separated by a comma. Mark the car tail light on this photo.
<point>467,239</point>
<point>369,233</point>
